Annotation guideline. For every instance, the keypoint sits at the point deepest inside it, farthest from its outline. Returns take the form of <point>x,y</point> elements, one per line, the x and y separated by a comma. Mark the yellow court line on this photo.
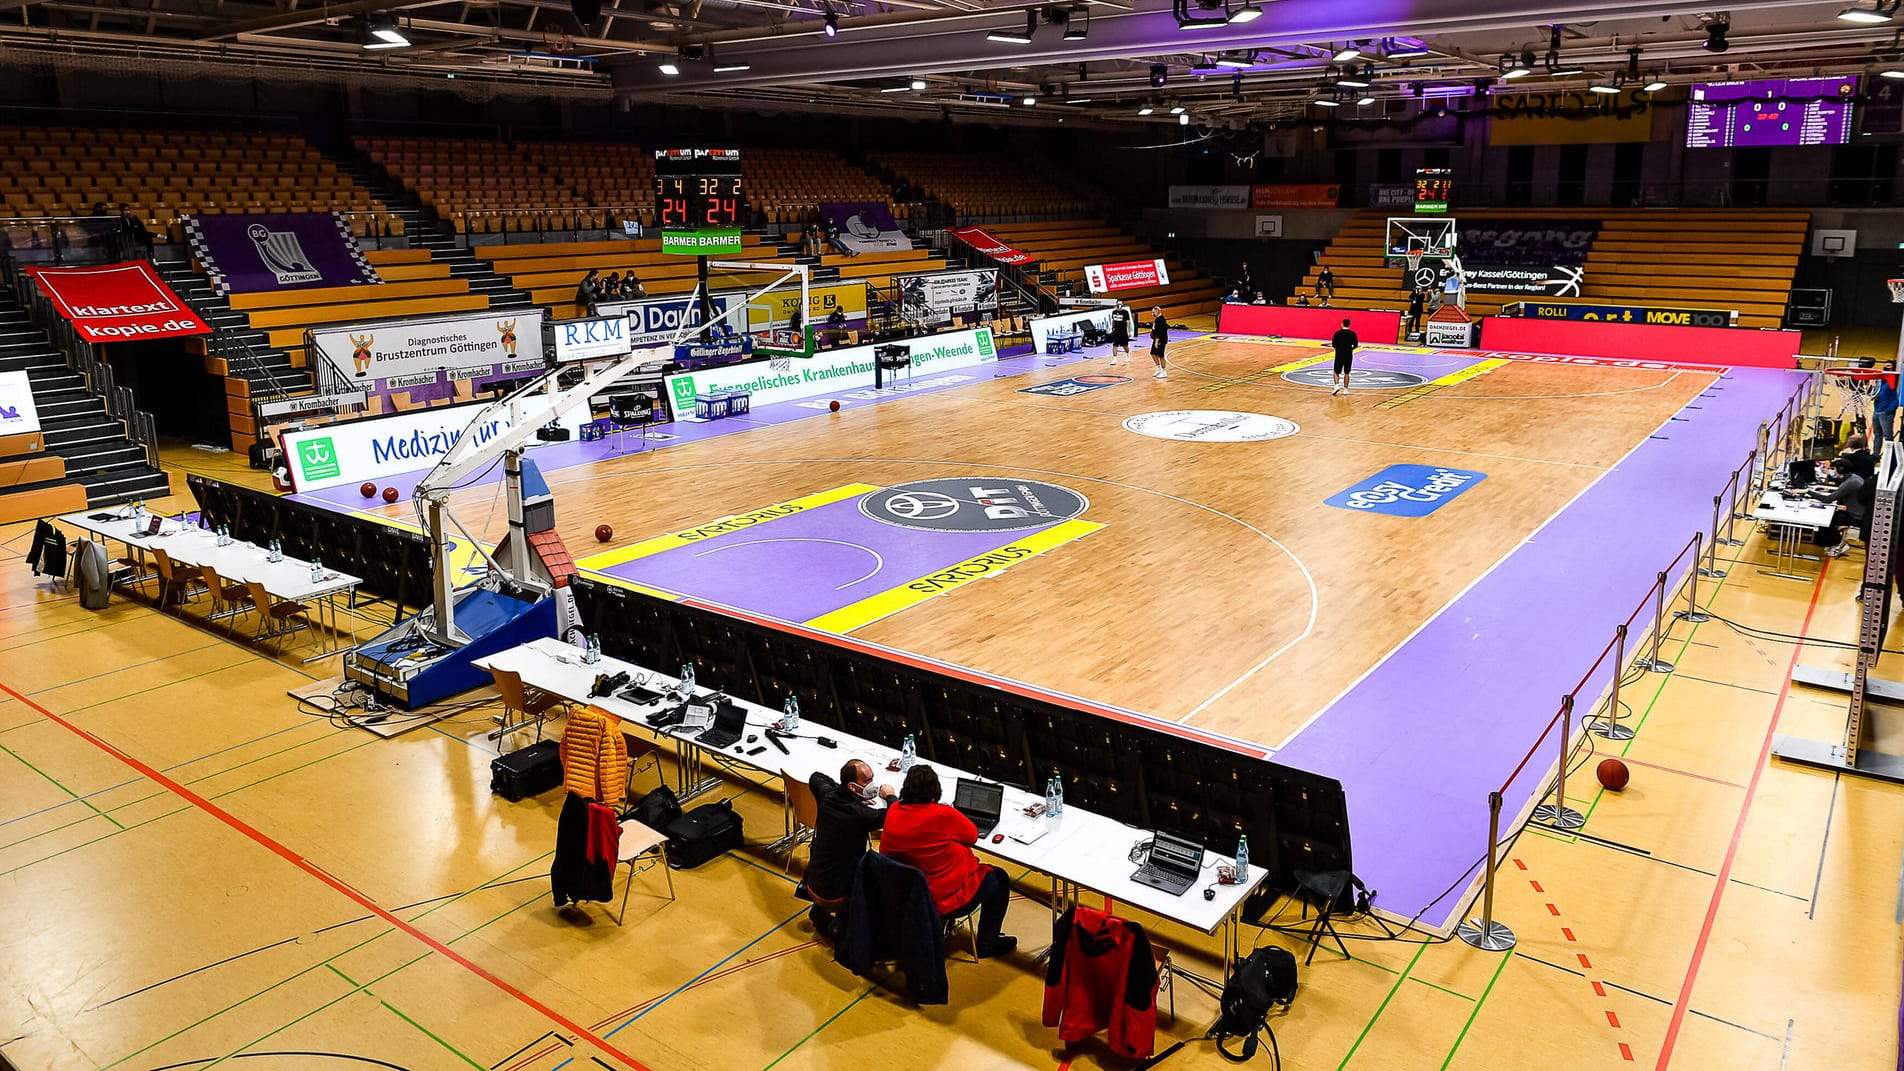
<point>1259,376</point>
<point>467,561</point>
<point>1479,368</point>
<point>732,523</point>
<point>991,563</point>
<point>610,578</point>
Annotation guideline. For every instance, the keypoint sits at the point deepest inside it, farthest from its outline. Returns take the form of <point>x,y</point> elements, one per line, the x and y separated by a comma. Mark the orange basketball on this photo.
<point>1613,774</point>
<point>389,494</point>
<point>833,406</point>
<point>603,533</point>
<point>368,490</point>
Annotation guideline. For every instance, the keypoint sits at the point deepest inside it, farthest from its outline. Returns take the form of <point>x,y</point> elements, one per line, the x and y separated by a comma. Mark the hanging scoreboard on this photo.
<point>698,201</point>
<point>1434,188</point>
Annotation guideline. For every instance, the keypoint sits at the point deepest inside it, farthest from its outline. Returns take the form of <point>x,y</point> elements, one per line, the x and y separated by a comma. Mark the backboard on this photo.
<point>1430,239</point>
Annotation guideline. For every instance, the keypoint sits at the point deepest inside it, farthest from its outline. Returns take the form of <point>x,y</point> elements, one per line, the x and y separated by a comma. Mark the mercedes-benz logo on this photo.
<point>921,505</point>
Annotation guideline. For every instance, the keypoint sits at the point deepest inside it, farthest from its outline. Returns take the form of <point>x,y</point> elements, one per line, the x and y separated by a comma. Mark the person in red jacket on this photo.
<point>924,833</point>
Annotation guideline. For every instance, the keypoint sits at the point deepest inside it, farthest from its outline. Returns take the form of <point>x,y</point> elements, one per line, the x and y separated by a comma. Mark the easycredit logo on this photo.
<point>1407,490</point>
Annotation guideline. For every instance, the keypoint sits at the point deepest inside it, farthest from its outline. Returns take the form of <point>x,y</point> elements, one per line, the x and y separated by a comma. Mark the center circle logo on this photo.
<point>973,504</point>
<point>1317,375</point>
<point>1211,426</point>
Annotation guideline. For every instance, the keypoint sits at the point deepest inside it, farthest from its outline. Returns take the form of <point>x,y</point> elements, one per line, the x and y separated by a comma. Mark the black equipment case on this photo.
<point>701,834</point>
<point>530,771</point>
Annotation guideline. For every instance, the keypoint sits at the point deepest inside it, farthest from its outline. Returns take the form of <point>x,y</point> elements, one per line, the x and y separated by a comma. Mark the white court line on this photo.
<point>878,562</point>
<point>1446,450</point>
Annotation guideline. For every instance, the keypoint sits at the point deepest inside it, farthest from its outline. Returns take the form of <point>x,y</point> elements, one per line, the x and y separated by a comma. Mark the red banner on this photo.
<point>1287,196</point>
<point>990,246</point>
<point>118,302</point>
<point>1130,275</point>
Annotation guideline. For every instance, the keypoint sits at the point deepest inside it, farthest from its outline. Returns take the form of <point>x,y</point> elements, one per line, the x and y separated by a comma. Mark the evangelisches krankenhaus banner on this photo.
<point>118,302</point>
<point>244,253</point>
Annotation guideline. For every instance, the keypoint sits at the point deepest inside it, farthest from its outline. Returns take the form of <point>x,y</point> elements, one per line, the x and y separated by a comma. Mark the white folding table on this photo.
<point>1790,516</point>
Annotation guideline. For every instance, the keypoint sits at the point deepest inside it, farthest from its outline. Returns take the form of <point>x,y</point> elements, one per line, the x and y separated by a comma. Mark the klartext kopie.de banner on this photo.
<point>118,302</point>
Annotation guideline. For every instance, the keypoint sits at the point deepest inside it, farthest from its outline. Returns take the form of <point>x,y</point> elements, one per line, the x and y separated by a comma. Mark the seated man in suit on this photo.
<point>924,833</point>
<point>848,815</point>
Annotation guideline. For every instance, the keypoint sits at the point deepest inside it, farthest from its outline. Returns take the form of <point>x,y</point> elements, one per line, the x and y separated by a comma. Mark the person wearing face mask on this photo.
<point>848,815</point>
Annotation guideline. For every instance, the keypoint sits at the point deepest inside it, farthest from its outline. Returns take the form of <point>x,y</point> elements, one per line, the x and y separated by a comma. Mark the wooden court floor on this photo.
<point>1220,591</point>
<point>197,874</point>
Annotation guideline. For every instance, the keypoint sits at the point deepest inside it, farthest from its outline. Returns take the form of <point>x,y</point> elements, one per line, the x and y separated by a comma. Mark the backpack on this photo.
<point>1265,979</point>
<point>657,810</point>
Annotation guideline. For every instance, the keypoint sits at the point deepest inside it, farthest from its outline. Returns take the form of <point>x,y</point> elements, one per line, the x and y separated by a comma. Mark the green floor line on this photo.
<point>1444,989</point>
<point>49,780</point>
<point>1476,1011</point>
<point>1370,1025</point>
<point>122,669</point>
<point>815,1031</point>
<point>425,1031</point>
<point>341,974</point>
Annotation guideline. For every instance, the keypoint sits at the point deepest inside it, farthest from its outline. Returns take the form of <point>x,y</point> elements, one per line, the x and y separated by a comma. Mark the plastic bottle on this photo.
<point>594,652</point>
<point>791,722</point>
<point>908,752</point>
<point>1054,797</point>
<point>317,570</point>
<point>687,680</point>
<point>1242,857</point>
<point>277,551</point>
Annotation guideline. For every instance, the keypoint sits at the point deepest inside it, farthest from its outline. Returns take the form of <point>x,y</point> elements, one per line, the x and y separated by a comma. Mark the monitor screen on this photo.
<point>1770,112</point>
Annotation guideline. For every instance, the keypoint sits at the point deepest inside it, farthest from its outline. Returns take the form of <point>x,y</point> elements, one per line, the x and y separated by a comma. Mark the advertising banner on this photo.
<point>1553,281</point>
<point>933,299</point>
<point>775,308</point>
<point>722,349</point>
<point>1570,117</point>
<point>1210,197</point>
<point>1130,275</point>
<point>866,227</point>
<point>1626,314</point>
<point>17,413</point>
<point>1406,490</point>
<point>1295,196</point>
<point>118,302</point>
<point>1043,327</point>
<point>254,251</point>
<point>656,322</point>
<point>366,451</point>
<point>787,379</point>
<point>1391,195</point>
<point>1526,242</point>
<point>579,340</point>
<point>978,239</point>
<point>1443,330</point>
<point>405,354</point>
<point>713,242</point>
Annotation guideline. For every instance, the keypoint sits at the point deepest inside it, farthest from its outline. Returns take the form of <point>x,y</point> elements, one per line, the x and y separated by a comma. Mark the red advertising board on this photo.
<point>1724,346</point>
<point>118,302</point>
<point>990,246</point>
<point>1295,196</point>
<point>1130,275</point>
<point>1373,325</point>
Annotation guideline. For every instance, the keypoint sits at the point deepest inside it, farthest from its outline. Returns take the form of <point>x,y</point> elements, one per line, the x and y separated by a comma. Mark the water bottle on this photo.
<point>138,509</point>
<point>687,680</point>
<point>594,652</point>
<point>224,535</point>
<point>908,752</point>
<point>317,571</point>
<point>1054,797</point>
<point>791,723</point>
<point>277,551</point>
<point>1242,857</point>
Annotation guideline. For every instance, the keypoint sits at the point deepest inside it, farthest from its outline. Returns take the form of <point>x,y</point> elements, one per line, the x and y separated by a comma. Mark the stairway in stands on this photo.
<point>94,445</point>
<point>269,372</point>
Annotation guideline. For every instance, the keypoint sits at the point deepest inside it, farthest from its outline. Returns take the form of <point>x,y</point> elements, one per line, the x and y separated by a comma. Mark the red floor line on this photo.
<point>1599,990</point>
<point>1612,1018</point>
<point>1568,934</point>
<point>1536,886</point>
<point>1738,833</point>
<point>1626,1051</point>
<point>1631,761</point>
<point>314,871</point>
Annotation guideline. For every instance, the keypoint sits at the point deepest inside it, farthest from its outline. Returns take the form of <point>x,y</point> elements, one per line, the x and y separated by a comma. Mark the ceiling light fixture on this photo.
<point>1236,59</point>
<point>1346,54</point>
<point>1077,23</point>
<point>1356,79</point>
<point>1891,73</point>
<point>1512,68</point>
<point>1016,37</point>
<point>1607,89</point>
<point>1366,100</point>
<point>381,32</point>
<point>1177,110</point>
<point>1029,101</point>
<point>1249,12</point>
<point>1878,12</point>
<point>1657,83</point>
<point>1183,120</point>
<point>1401,49</point>
<point>832,19</point>
<point>1716,36</point>
<point>1326,102</point>
<point>1145,110</point>
<point>918,83</point>
<point>668,67</point>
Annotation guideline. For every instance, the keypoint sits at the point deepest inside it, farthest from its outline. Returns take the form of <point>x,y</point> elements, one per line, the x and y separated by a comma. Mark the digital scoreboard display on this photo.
<point>1771,112</point>
<point>698,201</point>
<point>1434,188</point>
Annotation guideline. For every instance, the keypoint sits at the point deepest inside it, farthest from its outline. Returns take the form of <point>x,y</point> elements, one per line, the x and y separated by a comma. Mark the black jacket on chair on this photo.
<point>890,918</point>
<point>571,875</point>
<point>47,554</point>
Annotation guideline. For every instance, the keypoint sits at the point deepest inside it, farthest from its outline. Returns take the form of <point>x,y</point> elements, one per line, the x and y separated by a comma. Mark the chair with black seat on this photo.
<point>630,412</point>
<point>1326,891</point>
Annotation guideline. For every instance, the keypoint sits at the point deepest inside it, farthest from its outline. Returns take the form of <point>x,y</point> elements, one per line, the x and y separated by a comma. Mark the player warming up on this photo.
<point>1159,340</point>
<point>1344,342</point>
<point>1120,333</point>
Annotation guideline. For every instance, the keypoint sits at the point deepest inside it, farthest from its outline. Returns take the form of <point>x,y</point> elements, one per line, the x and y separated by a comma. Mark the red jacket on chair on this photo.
<point>1102,976</point>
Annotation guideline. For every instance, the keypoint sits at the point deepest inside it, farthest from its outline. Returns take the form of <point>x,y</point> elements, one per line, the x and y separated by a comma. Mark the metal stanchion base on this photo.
<point>1703,571</point>
<point>1486,936</point>
<point>1559,817</point>
<point>1731,542</point>
<point>1656,665</point>
<point>1694,616</point>
<point>1609,730</point>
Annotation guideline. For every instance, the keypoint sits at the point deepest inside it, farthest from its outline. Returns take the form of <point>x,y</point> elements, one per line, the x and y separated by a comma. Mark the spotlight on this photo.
<point>1077,23</point>
<point>1366,100</point>
<point>1633,64</point>
<point>1606,89</point>
<point>1876,13</point>
<point>918,83</point>
<point>1399,49</point>
<point>381,32</point>
<point>1657,84</point>
<point>1716,36</point>
<point>1347,54</point>
<point>1249,12</point>
<point>1178,110</point>
<point>1183,120</point>
<point>668,67</point>
<point>1513,68</point>
<point>1016,37</point>
<point>1892,73</point>
<point>832,21</point>
<point>1159,74</point>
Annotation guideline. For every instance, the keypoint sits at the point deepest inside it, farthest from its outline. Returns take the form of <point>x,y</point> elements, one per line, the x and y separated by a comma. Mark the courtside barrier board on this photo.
<point>1371,325</point>
<point>789,379</point>
<point>18,416</point>
<point>1722,346</point>
<point>367,450</point>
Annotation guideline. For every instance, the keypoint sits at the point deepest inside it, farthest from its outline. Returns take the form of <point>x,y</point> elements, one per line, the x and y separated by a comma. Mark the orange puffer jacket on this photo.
<point>594,756</point>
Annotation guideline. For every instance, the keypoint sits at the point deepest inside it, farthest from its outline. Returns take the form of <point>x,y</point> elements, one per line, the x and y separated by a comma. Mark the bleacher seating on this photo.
<point>976,187</point>
<point>163,174</point>
<point>1741,259</point>
<point>1064,247</point>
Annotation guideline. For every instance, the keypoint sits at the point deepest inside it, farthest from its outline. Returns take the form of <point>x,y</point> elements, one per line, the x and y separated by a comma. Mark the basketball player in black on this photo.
<point>1344,342</point>
<point>1159,340</point>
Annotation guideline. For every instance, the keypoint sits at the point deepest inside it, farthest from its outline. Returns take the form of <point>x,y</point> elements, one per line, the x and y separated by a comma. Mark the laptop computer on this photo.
<point>1173,864</point>
<point>981,801</point>
<point>730,721</point>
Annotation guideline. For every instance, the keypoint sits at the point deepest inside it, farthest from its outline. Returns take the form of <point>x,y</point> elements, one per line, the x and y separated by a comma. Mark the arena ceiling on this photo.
<point>1227,62</point>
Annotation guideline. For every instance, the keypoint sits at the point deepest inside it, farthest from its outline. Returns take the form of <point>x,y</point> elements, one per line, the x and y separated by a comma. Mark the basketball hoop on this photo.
<point>1897,290</point>
<point>1856,386</point>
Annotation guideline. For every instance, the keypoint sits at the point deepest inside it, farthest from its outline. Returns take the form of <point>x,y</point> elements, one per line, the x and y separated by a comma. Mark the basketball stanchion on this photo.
<point>1692,612</point>
<point>1609,727</point>
<point>1711,568</point>
<point>1484,933</point>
